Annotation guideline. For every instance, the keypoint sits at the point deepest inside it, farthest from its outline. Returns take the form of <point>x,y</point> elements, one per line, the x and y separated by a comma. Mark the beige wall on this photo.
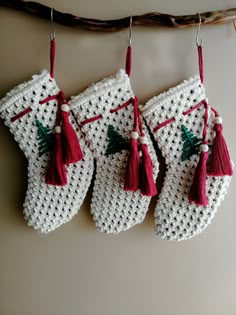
<point>76,270</point>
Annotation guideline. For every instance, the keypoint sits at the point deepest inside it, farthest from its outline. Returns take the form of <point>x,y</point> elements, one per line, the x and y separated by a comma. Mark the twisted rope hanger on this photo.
<point>153,19</point>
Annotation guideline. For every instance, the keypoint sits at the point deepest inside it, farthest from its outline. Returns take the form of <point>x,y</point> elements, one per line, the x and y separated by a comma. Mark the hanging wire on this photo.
<point>234,24</point>
<point>199,41</point>
<point>52,34</point>
<point>130,29</point>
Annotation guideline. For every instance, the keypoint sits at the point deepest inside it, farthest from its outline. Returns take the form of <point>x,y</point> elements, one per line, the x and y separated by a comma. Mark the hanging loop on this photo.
<point>52,34</point>
<point>130,29</point>
<point>199,41</point>
<point>52,46</point>
<point>129,50</point>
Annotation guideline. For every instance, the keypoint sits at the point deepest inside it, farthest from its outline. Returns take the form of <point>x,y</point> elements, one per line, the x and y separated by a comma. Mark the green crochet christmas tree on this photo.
<point>116,142</point>
<point>44,137</point>
<point>191,143</point>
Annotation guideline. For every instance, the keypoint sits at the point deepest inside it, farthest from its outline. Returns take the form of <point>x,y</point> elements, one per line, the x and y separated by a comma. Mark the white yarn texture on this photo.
<point>176,218</point>
<point>46,207</point>
<point>114,210</point>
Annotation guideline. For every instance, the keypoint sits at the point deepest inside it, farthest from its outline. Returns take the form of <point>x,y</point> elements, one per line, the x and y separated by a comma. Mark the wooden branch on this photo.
<point>154,19</point>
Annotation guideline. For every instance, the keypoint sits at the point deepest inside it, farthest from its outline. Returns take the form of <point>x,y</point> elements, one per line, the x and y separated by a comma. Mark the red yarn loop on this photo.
<point>52,56</point>
<point>200,63</point>
<point>128,60</point>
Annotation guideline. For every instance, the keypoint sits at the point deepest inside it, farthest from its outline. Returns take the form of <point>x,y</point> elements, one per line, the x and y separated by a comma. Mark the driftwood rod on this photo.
<point>153,19</point>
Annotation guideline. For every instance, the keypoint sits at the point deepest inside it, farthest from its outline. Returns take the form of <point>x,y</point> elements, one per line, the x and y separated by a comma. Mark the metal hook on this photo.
<point>52,34</point>
<point>130,29</point>
<point>199,42</point>
<point>234,24</point>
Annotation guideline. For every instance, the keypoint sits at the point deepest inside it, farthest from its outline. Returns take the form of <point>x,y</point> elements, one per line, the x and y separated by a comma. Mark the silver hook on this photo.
<point>234,24</point>
<point>199,42</point>
<point>130,29</point>
<point>52,34</point>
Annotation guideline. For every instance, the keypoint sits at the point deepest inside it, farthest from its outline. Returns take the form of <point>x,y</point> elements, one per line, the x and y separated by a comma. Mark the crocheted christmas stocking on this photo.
<point>31,111</point>
<point>182,123</point>
<point>108,112</point>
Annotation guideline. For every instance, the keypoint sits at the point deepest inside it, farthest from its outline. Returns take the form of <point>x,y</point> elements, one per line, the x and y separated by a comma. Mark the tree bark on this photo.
<point>153,19</point>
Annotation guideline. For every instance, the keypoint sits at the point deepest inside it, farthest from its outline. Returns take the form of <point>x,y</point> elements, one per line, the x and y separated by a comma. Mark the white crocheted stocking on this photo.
<point>176,120</point>
<point>46,207</point>
<point>107,126</point>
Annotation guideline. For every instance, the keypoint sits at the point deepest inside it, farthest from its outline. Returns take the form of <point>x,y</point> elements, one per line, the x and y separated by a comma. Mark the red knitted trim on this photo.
<point>21,114</point>
<point>170,120</point>
<point>121,106</point>
<point>193,108</point>
<point>49,98</point>
<point>89,120</point>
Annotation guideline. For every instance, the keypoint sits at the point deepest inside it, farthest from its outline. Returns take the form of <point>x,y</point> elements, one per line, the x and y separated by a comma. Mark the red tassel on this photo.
<point>56,172</point>
<point>197,192</point>
<point>147,183</point>
<point>132,171</point>
<point>72,152</point>
<point>219,160</point>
